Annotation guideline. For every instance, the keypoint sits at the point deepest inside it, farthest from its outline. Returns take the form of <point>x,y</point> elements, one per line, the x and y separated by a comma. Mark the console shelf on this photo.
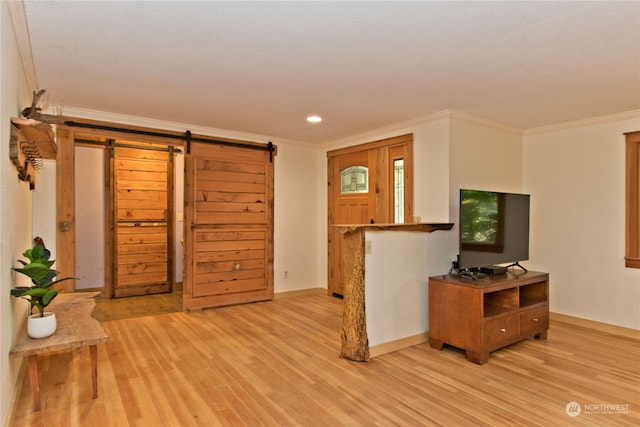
<point>482,316</point>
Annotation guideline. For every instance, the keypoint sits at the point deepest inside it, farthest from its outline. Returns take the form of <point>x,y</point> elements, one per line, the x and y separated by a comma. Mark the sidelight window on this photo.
<point>398,191</point>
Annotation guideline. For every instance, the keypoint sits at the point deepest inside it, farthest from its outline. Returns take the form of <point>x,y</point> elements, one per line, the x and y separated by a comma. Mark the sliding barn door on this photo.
<point>143,208</point>
<point>228,225</point>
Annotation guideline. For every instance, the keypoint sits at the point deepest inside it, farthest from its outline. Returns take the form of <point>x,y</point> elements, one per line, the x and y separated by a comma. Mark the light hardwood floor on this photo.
<point>277,364</point>
<point>137,306</point>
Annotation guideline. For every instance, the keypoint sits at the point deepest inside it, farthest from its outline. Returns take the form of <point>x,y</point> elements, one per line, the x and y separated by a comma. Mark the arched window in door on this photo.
<point>354,180</point>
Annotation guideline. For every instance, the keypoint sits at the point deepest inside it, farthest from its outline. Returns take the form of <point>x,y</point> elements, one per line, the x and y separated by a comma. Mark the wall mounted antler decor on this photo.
<point>33,139</point>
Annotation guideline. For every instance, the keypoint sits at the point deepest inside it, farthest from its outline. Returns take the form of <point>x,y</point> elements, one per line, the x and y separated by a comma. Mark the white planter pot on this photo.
<point>41,327</point>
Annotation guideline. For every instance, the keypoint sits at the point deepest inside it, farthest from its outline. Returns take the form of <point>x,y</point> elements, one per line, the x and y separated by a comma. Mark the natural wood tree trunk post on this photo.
<point>355,342</point>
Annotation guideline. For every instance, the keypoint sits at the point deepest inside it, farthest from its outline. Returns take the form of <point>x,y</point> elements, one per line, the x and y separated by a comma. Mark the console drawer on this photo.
<point>500,331</point>
<point>534,321</point>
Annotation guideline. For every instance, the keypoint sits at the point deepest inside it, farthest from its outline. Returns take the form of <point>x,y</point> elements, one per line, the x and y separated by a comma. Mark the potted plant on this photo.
<point>38,269</point>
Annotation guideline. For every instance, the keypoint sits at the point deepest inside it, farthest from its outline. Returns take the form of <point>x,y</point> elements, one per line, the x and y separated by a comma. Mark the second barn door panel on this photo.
<point>228,225</point>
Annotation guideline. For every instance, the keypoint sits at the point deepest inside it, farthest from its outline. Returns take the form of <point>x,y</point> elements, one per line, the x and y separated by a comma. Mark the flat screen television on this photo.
<point>494,229</point>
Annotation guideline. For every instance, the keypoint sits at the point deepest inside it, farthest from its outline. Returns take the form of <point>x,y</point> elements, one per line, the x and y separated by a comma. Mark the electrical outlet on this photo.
<point>367,247</point>
<point>286,274</point>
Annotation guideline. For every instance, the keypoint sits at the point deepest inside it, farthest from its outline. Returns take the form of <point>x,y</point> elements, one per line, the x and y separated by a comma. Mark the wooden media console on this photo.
<point>480,316</point>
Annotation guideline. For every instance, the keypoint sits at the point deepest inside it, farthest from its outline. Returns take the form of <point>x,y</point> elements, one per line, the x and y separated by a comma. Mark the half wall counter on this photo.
<point>391,311</point>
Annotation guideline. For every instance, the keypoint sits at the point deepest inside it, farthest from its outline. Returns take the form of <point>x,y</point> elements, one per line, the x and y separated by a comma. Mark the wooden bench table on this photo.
<point>76,328</point>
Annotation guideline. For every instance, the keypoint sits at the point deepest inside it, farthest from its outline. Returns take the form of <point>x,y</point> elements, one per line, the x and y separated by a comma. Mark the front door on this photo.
<point>352,204</point>
<point>368,184</point>
<point>228,225</point>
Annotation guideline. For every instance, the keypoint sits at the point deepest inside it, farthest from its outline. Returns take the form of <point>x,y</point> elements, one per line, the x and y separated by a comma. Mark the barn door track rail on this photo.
<point>187,137</point>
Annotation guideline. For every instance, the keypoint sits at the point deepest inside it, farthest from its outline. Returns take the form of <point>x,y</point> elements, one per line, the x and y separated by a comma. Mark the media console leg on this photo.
<point>542,335</point>
<point>436,344</point>
<point>480,359</point>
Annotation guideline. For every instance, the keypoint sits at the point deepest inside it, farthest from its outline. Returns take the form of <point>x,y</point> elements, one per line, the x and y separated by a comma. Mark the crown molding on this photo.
<point>626,115</point>
<point>21,33</point>
<point>396,127</point>
<point>464,117</point>
<point>440,115</point>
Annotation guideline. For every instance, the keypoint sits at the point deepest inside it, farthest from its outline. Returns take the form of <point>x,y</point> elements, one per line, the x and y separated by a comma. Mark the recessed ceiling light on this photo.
<point>314,119</point>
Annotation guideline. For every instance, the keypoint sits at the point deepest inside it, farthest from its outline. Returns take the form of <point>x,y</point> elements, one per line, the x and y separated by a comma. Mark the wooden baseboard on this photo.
<point>89,290</point>
<point>278,295</point>
<point>597,326</point>
<point>390,346</point>
<point>300,292</point>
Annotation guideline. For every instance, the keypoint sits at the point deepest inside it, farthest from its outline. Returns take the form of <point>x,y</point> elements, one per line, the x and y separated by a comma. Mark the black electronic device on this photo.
<point>493,270</point>
<point>493,229</point>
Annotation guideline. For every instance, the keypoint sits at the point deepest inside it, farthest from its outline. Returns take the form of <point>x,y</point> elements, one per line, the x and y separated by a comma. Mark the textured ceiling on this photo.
<point>262,67</point>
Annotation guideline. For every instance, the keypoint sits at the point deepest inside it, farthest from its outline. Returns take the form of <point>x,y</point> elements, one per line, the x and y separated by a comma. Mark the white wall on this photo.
<point>576,179</point>
<point>89,217</point>
<point>396,277</point>
<point>15,211</point>
<point>483,157</point>
<point>431,159</point>
<point>44,199</point>
<point>298,215</point>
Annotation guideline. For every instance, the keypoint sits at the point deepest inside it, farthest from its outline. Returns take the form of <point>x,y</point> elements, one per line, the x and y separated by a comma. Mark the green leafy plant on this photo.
<point>38,269</point>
